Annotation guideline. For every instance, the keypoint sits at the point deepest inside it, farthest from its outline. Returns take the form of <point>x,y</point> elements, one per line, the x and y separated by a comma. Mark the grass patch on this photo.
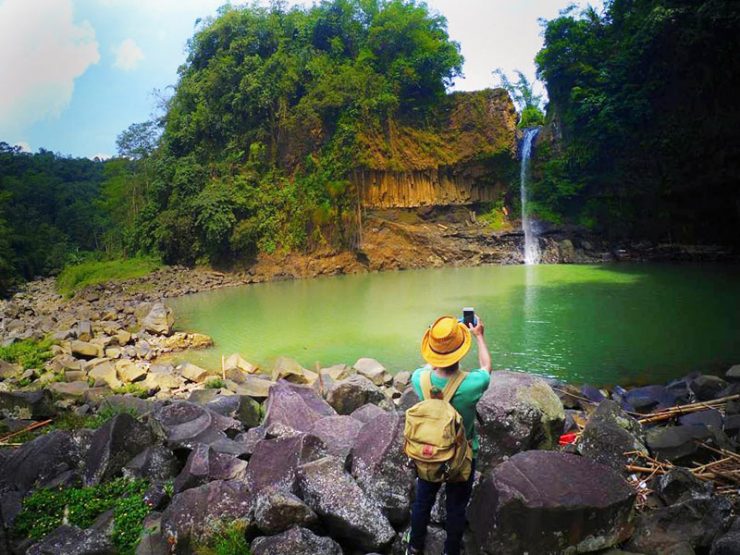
<point>495,217</point>
<point>133,389</point>
<point>28,353</point>
<point>71,421</point>
<point>214,383</point>
<point>76,277</point>
<point>45,509</point>
<point>228,538</point>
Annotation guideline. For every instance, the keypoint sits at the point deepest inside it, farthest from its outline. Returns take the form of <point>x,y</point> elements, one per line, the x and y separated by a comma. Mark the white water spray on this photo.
<point>531,243</point>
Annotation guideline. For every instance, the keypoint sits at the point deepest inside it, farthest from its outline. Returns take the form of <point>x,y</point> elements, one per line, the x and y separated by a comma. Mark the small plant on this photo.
<point>132,389</point>
<point>227,538</point>
<point>46,509</point>
<point>215,383</point>
<point>28,353</point>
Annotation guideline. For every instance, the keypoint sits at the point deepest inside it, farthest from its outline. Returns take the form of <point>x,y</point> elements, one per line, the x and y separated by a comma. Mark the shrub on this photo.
<point>227,538</point>
<point>28,353</point>
<point>215,383</point>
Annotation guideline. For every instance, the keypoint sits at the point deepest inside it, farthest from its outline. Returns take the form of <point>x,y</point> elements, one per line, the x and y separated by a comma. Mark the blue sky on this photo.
<point>75,73</point>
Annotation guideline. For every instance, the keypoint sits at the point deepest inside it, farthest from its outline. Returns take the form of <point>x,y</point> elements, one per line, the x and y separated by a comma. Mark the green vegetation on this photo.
<point>523,95</point>
<point>228,538</point>
<point>643,136</point>
<point>28,352</point>
<point>132,389</point>
<point>45,509</point>
<point>72,421</point>
<point>494,217</point>
<point>76,277</point>
<point>215,383</point>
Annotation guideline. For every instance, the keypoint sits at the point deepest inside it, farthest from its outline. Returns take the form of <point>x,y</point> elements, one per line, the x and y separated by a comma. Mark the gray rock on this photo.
<point>380,467</point>
<point>694,522</point>
<point>9,371</point>
<point>112,446</point>
<point>351,393</point>
<point>344,508</point>
<point>401,381</point>
<point>366,413</point>
<point>240,407</point>
<point>674,442</point>
<point>650,397</point>
<point>275,461</point>
<point>184,425</point>
<point>609,433</point>
<point>155,464</point>
<point>192,372</point>
<point>130,404</point>
<point>372,370</point>
<point>296,541</point>
<point>295,406</point>
<point>518,412</point>
<point>706,388</point>
<point>193,513</point>
<point>84,330</point>
<point>31,405</point>
<point>733,374</point>
<point>71,540</point>
<point>289,370</point>
<point>276,510</point>
<point>254,386</point>
<point>710,418</point>
<point>205,465</point>
<point>408,399</point>
<point>159,320</point>
<point>153,544</point>
<point>729,543</point>
<point>338,433</point>
<point>549,502</point>
<point>678,485</point>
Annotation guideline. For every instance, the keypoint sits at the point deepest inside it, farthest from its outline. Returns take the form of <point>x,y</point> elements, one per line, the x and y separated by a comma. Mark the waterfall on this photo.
<point>531,244</point>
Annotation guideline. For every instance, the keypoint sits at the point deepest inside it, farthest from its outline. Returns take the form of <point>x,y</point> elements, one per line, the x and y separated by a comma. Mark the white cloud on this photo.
<point>100,156</point>
<point>25,147</point>
<point>128,55</point>
<point>44,51</point>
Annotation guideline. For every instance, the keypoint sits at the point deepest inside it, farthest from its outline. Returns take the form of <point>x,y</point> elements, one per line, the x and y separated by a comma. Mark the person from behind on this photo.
<point>440,430</point>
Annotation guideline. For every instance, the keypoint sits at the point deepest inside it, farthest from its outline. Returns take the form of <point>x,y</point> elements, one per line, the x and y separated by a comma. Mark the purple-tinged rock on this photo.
<point>338,433</point>
<point>185,425</point>
<point>296,541</point>
<point>274,461</point>
<point>295,406</point>
<point>276,510</point>
<point>205,465</point>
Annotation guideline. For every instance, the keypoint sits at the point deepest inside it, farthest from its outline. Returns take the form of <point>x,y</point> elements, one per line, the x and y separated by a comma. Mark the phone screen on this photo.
<point>468,316</point>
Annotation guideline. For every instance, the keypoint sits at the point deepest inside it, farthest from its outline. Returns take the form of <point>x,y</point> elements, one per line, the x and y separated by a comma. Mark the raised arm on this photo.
<point>484,357</point>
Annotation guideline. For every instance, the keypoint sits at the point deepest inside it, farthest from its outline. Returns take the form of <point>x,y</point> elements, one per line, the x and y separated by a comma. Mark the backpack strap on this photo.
<point>452,385</point>
<point>426,384</point>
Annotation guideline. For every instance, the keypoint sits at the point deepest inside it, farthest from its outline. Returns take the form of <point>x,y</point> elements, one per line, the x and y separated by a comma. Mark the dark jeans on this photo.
<point>458,495</point>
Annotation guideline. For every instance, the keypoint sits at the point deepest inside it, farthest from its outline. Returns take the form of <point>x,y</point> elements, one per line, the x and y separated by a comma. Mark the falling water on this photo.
<point>531,244</point>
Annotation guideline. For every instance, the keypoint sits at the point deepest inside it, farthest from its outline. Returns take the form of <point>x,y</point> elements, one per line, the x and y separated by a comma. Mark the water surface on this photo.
<point>598,324</point>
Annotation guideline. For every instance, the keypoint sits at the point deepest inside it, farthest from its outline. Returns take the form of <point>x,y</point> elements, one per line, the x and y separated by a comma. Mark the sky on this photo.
<point>75,73</point>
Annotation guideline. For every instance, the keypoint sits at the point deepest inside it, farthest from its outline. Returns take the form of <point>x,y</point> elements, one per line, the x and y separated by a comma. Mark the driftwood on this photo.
<point>35,426</point>
<point>672,412</point>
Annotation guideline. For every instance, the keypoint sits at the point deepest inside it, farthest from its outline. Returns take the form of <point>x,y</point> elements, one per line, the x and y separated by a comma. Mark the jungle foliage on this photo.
<point>643,135</point>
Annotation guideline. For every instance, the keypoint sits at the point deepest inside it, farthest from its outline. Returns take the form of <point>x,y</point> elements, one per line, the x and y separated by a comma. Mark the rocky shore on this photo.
<point>310,462</point>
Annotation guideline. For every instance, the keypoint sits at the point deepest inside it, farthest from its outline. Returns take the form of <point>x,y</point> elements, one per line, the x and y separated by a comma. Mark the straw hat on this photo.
<point>445,342</point>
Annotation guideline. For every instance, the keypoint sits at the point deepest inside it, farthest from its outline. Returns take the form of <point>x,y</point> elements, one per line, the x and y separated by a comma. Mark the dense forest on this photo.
<point>275,106</point>
<point>643,138</point>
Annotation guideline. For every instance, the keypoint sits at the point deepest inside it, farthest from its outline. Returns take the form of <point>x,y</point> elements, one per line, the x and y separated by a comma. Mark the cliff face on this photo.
<point>467,156</point>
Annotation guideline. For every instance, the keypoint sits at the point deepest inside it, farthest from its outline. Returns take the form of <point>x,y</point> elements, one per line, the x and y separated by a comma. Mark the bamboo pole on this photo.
<point>671,412</point>
<point>28,428</point>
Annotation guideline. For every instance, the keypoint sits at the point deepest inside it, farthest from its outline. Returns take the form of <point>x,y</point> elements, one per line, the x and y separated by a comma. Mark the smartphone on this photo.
<point>469,316</point>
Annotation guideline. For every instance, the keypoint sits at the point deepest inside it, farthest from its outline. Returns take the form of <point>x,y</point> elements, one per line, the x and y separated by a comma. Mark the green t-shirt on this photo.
<point>465,398</point>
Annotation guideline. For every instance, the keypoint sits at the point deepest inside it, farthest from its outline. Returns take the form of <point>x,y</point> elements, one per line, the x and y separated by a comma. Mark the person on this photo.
<point>443,346</point>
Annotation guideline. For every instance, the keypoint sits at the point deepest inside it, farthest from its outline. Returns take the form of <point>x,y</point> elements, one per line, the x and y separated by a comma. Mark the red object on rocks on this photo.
<point>567,439</point>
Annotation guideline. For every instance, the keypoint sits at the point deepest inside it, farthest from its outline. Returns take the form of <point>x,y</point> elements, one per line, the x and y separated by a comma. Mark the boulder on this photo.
<point>650,397</point>
<point>71,540</point>
<point>155,464</point>
<point>235,361</point>
<point>72,390</point>
<point>84,330</point>
<point>274,461</point>
<point>105,374</point>
<point>518,412</point>
<point>114,444</point>
<point>296,541</point>
<point>192,372</point>
<point>240,407</point>
<point>694,522</point>
<point>276,510</point>
<point>30,405</point>
<point>289,370</point>
<point>345,510</point>
<point>349,394</point>
<point>129,371</point>
<point>402,380</point>
<point>130,404</point>
<point>338,433</point>
<point>679,484</point>
<point>729,543</point>
<point>253,386</point>
<point>733,374</point>
<point>372,370</point>
<point>674,442</point>
<point>159,320</point>
<point>609,434</point>
<point>549,502</point>
<point>706,388</point>
<point>337,372</point>
<point>184,425</point>
<point>408,399</point>
<point>366,413</point>
<point>192,514</point>
<point>711,418</point>
<point>84,349</point>
<point>10,371</point>
<point>162,377</point>
<point>380,467</point>
<point>205,465</point>
<point>295,406</point>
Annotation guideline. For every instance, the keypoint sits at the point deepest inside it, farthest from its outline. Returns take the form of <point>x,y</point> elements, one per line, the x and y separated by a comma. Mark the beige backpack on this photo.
<point>434,434</point>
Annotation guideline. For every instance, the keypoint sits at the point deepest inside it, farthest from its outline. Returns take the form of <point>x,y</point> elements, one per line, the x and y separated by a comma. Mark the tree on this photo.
<point>139,140</point>
<point>522,93</point>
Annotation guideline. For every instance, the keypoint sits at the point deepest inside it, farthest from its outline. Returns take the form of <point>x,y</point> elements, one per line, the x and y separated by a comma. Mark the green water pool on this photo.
<point>599,324</point>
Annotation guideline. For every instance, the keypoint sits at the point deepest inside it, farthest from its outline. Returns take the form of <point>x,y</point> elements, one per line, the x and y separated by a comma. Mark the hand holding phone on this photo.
<point>469,317</point>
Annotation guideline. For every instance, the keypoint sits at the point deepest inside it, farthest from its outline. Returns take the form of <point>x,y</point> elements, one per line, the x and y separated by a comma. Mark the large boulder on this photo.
<point>694,523</point>
<point>518,412</point>
<point>380,467</point>
<point>706,388</point>
<point>373,370</point>
<point>184,425</point>
<point>112,446</point>
<point>155,464</point>
<point>675,442</point>
<point>289,370</point>
<point>36,405</point>
<point>347,512</point>
<point>71,540</point>
<point>366,413</point>
<point>159,320</point>
<point>609,434</point>
<point>10,371</point>
<point>729,543</point>
<point>253,386</point>
<point>274,461</point>
<point>679,484</point>
<point>240,407</point>
<point>276,510</point>
<point>338,433</point>
<point>296,541</point>
<point>295,406</point>
<point>195,512</point>
<point>84,349</point>
<point>205,465</point>
<point>351,393</point>
<point>549,502</point>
